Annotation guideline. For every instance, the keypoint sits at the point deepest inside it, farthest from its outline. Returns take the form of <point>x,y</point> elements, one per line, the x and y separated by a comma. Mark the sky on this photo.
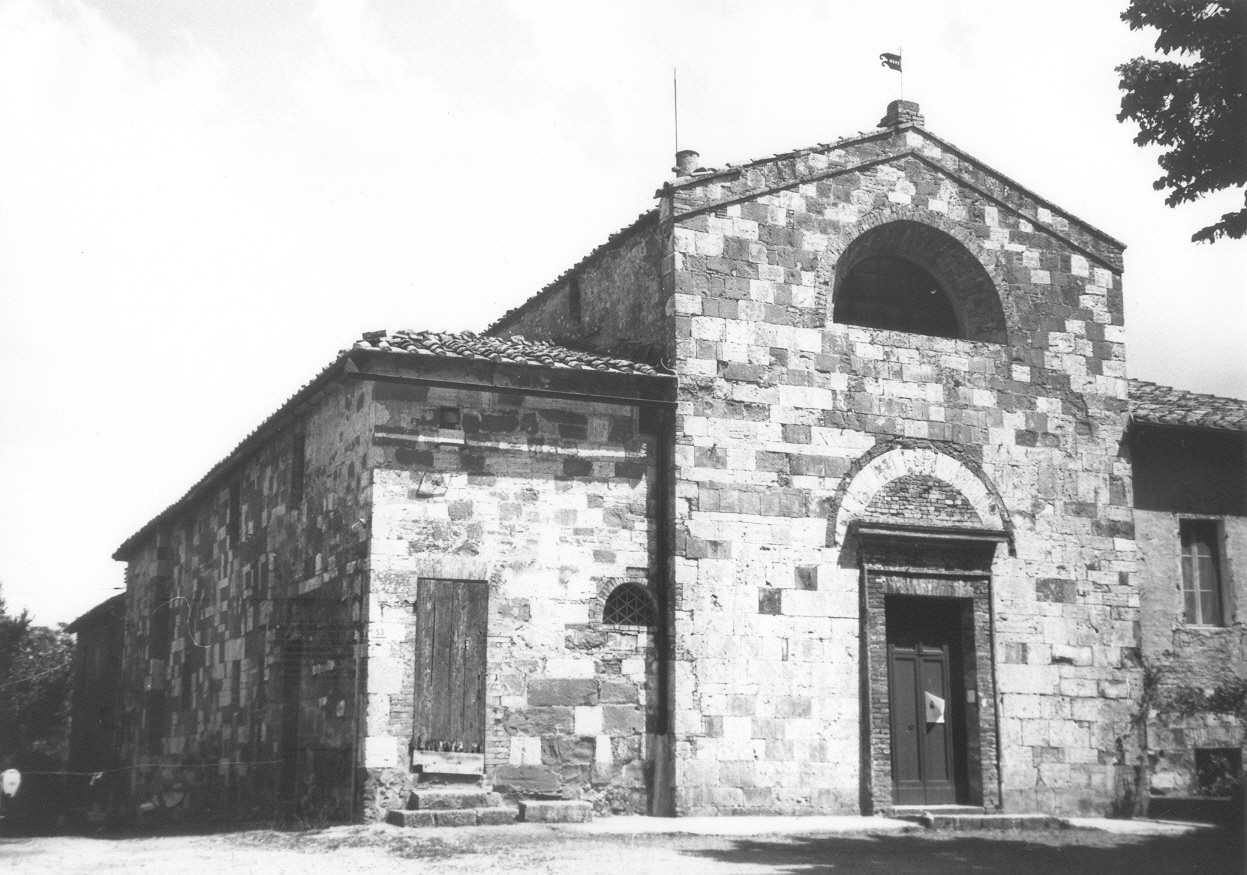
<point>202,202</point>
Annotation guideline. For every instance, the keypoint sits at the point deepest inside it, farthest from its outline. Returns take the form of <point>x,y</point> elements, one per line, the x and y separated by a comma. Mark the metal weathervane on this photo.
<point>893,62</point>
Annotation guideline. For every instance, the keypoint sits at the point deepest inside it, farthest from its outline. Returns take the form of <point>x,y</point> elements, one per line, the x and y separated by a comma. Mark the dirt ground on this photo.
<point>528,848</point>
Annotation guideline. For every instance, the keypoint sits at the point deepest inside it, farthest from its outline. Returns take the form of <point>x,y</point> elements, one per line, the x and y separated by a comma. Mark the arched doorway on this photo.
<point>923,529</point>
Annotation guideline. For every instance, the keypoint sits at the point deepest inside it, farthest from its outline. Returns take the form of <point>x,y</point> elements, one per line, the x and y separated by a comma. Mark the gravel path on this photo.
<point>526,848</point>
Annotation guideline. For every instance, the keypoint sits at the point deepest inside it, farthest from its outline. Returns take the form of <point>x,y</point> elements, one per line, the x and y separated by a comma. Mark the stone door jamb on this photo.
<point>967,583</point>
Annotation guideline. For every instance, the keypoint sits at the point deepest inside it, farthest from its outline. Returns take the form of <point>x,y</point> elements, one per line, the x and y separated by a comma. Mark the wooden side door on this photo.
<point>451,619</point>
<point>922,743</point>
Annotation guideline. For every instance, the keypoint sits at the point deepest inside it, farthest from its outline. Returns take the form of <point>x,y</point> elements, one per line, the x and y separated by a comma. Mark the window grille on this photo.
<point>630,604</point>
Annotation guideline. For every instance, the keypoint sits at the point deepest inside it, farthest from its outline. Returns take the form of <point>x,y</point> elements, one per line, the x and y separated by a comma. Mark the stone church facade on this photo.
<point>809,492</point>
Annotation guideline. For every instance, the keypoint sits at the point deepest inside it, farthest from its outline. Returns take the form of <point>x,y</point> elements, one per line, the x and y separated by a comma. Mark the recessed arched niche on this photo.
<point>909,276</point>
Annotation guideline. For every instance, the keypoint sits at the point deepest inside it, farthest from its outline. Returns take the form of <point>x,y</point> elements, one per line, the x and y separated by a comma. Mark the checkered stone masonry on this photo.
<point>548,501</point>
<point>244,614</point>
<point>777,403</point>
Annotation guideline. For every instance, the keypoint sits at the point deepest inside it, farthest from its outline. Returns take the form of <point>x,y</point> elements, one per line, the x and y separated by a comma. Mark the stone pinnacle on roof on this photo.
<point>902,112</point>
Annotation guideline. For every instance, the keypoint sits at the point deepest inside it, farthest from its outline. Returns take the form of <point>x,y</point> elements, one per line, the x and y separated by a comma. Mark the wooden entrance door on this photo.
<point>922,743</point>
<point>451,618</point>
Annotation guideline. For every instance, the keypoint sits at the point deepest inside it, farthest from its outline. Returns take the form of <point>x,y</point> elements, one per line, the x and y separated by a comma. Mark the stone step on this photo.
<point>482,816</point>
<point>908,811</point>
<point>543,811</point>
<point>942,821</point>
<point>452,797</point>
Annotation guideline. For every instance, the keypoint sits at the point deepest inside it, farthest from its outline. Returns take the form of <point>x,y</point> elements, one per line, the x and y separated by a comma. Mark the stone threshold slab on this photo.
<point>741,826</point>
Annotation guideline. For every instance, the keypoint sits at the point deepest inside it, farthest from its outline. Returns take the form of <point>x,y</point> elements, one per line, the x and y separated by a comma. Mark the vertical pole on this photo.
<point>900,54</point>
<point>675,104</point>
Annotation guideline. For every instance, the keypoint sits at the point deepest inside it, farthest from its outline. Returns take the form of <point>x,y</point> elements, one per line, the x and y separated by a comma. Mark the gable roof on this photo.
<point>1154,404</point>
<point>1003,191</point>
<point>749,180</point>
<point>462,346</point>
<point>108,611</point>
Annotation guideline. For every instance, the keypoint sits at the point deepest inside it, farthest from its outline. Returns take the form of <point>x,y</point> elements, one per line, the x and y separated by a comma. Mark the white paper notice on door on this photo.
<point>935,709</point>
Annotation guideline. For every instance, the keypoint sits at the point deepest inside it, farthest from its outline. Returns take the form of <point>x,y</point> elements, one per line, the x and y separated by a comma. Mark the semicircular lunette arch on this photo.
<point>962,271</point>
<point>966,496</point>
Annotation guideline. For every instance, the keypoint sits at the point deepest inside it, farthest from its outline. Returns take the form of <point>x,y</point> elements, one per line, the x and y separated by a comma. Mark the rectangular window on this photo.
<point>1201,572</point>
<point>296,471</point>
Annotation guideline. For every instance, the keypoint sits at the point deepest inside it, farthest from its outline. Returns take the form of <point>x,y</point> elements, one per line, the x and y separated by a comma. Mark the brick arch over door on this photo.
<point>968,272</point>
<point>886,463</point>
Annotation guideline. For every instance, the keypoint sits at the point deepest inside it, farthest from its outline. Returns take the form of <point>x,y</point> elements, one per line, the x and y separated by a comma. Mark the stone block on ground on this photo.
<point>473,797</point>
<point>409,818</point>
<point>496,816</point>
<point>559,811</point>
<point>962,822</point>
<point>455,817</point>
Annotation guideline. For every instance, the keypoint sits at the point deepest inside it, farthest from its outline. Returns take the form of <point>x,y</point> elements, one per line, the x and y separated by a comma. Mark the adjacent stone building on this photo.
<point>95,717</point>
<point>808,492</point>
<point>1189,455</point>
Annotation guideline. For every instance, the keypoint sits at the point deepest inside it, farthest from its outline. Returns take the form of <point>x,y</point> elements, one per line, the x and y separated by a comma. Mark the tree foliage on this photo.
<point>35,674</point>
<point>1194,106</point>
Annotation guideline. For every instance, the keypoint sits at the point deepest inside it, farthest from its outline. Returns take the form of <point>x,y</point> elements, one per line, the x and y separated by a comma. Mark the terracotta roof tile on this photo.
<point>1164,405</point>
<point>513,350</point>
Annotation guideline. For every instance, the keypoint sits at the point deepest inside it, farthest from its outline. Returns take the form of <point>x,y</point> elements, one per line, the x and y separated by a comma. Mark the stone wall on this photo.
<point>243,615</point>
<point>776,404</point>
<point>1189,658</point>
<point>551,502</point>
<point>620,309</point>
